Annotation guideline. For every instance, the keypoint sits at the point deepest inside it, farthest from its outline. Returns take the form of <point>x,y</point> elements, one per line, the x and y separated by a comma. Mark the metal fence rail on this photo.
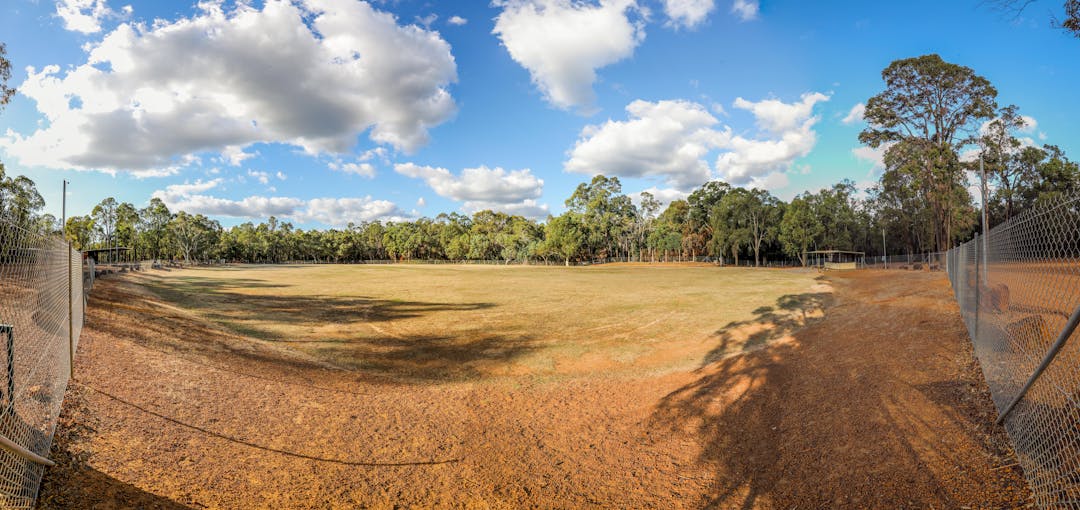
<point>41,312</point>
<point>1019,294</point>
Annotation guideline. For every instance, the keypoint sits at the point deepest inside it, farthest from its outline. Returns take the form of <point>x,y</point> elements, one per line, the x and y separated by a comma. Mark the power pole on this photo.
<point>884,250</point>
<point>71,298</point>
<point>985,221</point>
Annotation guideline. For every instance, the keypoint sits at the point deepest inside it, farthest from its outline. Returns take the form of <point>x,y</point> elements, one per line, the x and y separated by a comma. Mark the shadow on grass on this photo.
<point>790,313</point>
<point>216,300</point>
<point>379,358</point>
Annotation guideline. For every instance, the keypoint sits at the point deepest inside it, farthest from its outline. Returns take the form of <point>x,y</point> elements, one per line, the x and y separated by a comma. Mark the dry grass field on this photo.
<point>417,323</point>
<point>615,386</point>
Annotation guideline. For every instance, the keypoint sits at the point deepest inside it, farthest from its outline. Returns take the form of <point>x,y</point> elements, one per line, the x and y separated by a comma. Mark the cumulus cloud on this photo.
<point>1030,124</point>
<point>787,134</point>
<point>361,169</point>
<point>528,208</point>
<point>671,140</point>
<point>235,155</point>
<point>746,10</point>
<point>664,195</point>
<point>665,139</point>
<point>512,192</point>
<point>688,13</point>
<point>191,197</point>
<point>216,82</point>
<point>85,16</point>
<point>457,21</point>
<point>856,114</point>
<point>262,177</point>
<point>481,184</point>
<point>876,157</point>
<point>563,42</point>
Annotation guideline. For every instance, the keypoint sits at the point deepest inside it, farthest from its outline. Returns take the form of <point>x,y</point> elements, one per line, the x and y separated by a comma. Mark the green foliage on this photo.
<point>800,228</point>
<point>923,113</point>
<point>564,236</point>
<point>5,74</point>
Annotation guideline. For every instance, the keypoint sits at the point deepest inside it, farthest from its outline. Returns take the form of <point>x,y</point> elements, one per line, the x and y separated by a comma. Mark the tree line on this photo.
<point>934,121</point>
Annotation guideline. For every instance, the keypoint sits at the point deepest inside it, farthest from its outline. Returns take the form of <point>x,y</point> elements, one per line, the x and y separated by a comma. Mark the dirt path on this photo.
<point>878,404</point>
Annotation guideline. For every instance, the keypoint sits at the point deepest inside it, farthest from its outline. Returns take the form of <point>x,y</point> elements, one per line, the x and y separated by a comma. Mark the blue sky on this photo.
<point>404,108</point>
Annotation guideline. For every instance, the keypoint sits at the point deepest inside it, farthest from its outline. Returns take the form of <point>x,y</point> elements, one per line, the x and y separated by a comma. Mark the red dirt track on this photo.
<point>877,405</point>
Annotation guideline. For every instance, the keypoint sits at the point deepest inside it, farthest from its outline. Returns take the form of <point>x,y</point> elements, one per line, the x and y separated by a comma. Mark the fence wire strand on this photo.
<point>34,349</point>
<point>1016,289</point>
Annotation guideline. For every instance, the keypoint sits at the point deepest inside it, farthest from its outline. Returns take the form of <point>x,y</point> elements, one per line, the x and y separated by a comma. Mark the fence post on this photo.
<point>71,317</point>
<point>978,287</point>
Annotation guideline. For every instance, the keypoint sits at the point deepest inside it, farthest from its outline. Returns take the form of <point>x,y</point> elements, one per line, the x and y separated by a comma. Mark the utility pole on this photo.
<point>71,298</point>
<point>985,220</point>
<point>884,250</point>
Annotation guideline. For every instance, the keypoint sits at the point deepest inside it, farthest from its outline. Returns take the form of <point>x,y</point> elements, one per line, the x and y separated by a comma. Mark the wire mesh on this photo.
<point>1016,288</point>
<point>932,261</point>
<point>35,318</point>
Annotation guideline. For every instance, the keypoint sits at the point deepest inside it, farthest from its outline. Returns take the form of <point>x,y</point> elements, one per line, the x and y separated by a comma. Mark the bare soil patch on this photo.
<point>875,403</point>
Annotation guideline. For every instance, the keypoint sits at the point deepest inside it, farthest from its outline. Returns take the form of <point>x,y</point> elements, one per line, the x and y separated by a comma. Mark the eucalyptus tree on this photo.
<point>153,227</point>
<point>1001,152</point>
<point>606,215</point>
<point>5,75</point>
<point>104,215</point>
<point>564,236</point>
<point>800,228</point>
<point>924,116</point>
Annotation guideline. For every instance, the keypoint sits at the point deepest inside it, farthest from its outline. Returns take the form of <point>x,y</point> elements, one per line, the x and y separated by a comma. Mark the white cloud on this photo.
<point>665,139</point>
<point>281,176</point>
<point>856,114</point>
<point>1030,124</point>
<point>788,135</point>
<point>180,190</point>
<point>420,202</point>
<point>191,197</point>
<point>746,10</point>
<point>341,211</point>
<point>528,208</point>
<point>771,181</point>
<point>235,155</point>
<point>511,192</point>
<point>670,140</point>
<point>664,195</point>
<point>688,13</point>
<point>457,21</point>
<point>85,16</point>
<point>262,177</point>
<point>361,169</point>
<point>481,184</point>
<point>426,21</point>
<point>215,82</point>
<point>876,157</point>
<point>562,43</point>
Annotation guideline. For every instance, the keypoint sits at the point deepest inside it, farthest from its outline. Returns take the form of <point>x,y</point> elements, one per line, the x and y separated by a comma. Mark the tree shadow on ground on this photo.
<point>829,420</point>
<point>218,300</point>
<point>382,357</point>
<point>790,313</point>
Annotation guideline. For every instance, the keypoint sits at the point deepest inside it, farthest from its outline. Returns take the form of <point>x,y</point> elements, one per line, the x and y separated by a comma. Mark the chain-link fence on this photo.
<point>932,261</point>
<point>1019,293</point>
<point>41,304</point>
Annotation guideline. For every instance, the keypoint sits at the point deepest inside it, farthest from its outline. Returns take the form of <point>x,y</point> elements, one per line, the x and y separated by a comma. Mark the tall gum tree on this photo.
<point>927,112</point>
